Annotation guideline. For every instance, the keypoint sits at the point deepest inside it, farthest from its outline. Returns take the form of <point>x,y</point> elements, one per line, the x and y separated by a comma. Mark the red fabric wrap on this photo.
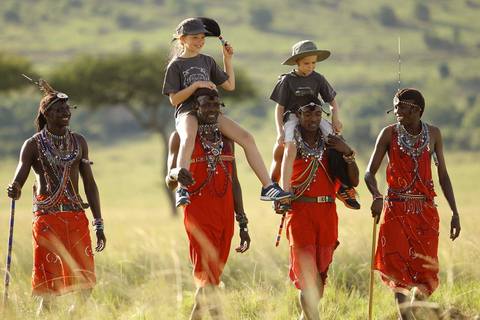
<point>209,219</point>
<point>311,228</point>
<point>409,230</point>
<point>62,253</point>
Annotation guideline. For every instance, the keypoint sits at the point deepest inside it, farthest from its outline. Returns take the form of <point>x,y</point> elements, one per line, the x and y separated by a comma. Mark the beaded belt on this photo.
<point>320,199</point>
<point>63,207</point>
<point>222,158</point>
<point>407,198</point>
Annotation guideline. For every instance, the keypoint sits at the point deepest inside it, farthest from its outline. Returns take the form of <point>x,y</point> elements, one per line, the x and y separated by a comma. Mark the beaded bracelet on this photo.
<point>98,224</point>
<point>377,196</point>
<point>456,216</point>
<point>349,159</point>
<point>241,218</point>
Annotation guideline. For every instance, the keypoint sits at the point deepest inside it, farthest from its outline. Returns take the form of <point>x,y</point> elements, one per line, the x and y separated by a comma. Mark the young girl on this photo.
<point>287,92</point>
<point>189,70</point>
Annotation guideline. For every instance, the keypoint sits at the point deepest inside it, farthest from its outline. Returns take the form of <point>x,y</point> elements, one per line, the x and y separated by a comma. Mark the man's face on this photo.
<point>310,119</point>
<point>208,110</point>
<point>59,113</point>
<point>404,111</point>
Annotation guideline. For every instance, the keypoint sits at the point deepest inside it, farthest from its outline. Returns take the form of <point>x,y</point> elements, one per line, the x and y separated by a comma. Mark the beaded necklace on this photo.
<point>59,152</point>
<point>213,150</point>
<point>305,150</point>
<point>413,146</point>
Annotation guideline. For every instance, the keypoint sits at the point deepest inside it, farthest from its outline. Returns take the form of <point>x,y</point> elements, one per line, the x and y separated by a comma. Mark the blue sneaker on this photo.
<point>274,192</point>
<point>182,197</point>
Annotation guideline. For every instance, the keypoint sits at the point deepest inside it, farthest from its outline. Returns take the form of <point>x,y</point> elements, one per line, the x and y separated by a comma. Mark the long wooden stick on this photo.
<point>372,270</point>
<point>9,254</point>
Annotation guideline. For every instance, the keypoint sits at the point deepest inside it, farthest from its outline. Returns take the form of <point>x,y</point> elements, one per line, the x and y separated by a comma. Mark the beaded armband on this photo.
<point>456,216</point>
<point>98,224</point>
<point>377,196</point>
<point>351,158</point>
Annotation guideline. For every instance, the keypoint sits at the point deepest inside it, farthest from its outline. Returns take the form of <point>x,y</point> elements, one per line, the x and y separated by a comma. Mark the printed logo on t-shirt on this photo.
<point>303,91</point>
<point>194,74</point>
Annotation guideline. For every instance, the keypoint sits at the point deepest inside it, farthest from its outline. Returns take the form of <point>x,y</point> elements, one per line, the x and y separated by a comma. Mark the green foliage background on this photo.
<point>440,43</point>
<point>144,271</point>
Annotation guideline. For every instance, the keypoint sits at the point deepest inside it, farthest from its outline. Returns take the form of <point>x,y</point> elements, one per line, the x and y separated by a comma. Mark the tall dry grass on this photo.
<point>144,273</point>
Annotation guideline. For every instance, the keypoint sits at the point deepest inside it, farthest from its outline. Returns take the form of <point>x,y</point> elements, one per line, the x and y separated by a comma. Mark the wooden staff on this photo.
<point>372,271</point>
<point>280,227</point>
<point>9,254</point>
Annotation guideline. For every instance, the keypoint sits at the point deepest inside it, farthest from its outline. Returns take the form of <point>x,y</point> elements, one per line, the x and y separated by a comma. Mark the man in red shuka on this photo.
<point>216,200</point>
<point>408,239</point>
<point>312,224</point>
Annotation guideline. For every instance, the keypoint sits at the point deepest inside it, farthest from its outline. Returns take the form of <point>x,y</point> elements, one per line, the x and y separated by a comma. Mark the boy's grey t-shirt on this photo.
<point>183,72</point>
<point>290,87</point>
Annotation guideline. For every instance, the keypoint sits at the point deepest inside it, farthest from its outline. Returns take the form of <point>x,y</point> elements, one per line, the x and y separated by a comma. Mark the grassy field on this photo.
<point>144,272</point>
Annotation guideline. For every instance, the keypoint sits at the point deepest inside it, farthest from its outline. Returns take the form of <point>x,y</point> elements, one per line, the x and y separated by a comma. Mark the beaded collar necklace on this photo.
<point>413,145</point>
<point>305,150</point>
<point>59,150</point>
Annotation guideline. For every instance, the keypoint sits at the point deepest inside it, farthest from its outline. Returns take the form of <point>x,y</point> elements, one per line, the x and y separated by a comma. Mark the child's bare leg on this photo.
<point>289,155</point>
<point>187,127</point>
<point>276,167</point>
<point>235,132</point>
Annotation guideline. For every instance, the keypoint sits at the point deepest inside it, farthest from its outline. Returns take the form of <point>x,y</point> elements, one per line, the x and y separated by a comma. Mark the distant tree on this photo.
<point>12,67</point>
<point>387,16</point>
<point>260,17</point>
<point>133,81</point>
<point>444,70</point>
<point>422,12</point>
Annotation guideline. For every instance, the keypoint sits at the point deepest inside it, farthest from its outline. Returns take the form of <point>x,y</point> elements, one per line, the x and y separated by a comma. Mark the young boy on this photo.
<point>288,90</point>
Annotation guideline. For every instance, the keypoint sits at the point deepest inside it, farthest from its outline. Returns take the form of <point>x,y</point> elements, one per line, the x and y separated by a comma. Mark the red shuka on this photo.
<point>62,253</point>
<point>408,239</point>
<point>311,228</point>
<point>209,219</point>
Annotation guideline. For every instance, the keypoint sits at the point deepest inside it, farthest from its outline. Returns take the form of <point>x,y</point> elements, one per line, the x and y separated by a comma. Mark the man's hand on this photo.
<point>14,190</point>
<point>376,208</point>
<point>336,142</point>
<point>454,228</point>
<point>183,176</point>
<point>244,241</point>
<point>101,240</point>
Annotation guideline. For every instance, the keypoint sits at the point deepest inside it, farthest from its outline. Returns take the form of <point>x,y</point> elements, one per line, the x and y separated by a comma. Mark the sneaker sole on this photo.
<point>347,205</point>
<point>182,203</point>
<point>267,198</point>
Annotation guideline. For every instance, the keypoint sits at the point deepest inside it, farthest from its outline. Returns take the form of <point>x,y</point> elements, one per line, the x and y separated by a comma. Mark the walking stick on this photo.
<point>372,273</point>
<point>280,227</point>
<point>9,255</point>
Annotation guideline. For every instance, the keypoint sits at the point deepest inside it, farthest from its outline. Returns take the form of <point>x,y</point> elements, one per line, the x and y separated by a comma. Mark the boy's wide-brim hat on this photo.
<point>192,26</point>
<point>304,49</point>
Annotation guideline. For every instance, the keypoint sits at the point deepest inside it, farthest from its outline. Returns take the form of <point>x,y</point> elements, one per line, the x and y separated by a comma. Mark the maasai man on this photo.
<point>215,196</point>
<point>408,240</point>
<point>312,224</point>
<point>62,249</point>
